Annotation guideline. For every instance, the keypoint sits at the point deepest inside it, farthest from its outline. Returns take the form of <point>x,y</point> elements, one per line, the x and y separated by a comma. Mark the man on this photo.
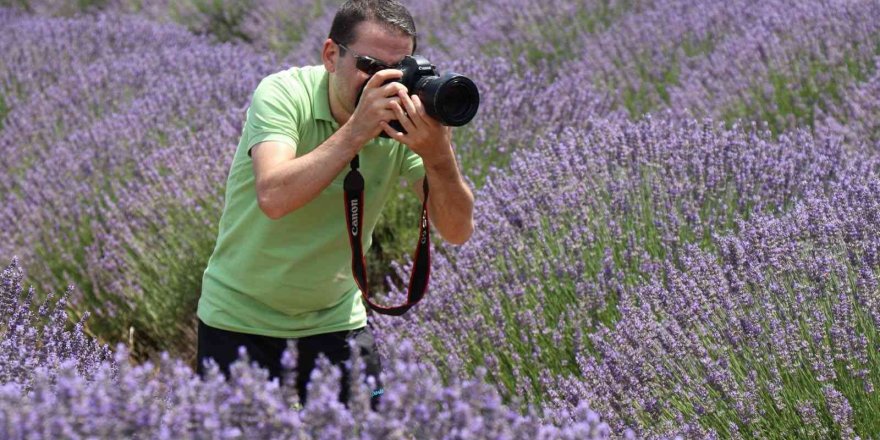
<point>281,268</point>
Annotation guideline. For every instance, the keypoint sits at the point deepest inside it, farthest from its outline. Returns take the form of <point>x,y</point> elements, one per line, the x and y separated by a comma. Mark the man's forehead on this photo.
<point>381,42</point>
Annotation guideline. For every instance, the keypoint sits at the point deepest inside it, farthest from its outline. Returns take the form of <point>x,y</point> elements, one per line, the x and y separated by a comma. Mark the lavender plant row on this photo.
<point>776,333</point>
<point>37,335</point>
<point>584,216</point>
<point>526,28</point>
<point>856,117</point>
<point>779,61</point>
<point>113,171</point>
<point>796,58</point>
<point>266,24</point>
<point>107,164</point>
<point>785,62</point>
<point>59,383</point>
<point>776,61</point>
<point>107,186</point>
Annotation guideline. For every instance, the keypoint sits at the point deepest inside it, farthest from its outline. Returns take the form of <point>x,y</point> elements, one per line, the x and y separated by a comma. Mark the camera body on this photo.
<point>452,99</point>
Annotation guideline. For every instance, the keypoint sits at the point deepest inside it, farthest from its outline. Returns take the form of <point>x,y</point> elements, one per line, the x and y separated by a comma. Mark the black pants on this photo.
<point>222,346</point>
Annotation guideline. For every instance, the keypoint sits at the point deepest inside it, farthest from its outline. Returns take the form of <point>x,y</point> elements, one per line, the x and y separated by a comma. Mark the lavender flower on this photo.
<point>50,391</point>
<point>600,266</point>
<point>659,278</point>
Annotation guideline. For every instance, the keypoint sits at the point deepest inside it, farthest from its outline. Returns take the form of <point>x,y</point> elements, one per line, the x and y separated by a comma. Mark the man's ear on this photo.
<point>330,55</point>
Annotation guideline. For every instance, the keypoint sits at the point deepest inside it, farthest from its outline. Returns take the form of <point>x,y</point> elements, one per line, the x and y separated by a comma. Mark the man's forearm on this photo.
<point>450,201</point>
<point>292,184</point>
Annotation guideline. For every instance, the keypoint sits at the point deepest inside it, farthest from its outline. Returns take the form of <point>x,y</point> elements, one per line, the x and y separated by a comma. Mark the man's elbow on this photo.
<point>268,205</point>
<point>270,211</point>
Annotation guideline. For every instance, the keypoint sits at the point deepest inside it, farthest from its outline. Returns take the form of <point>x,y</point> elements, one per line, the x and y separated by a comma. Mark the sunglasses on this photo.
<point>366,64</point>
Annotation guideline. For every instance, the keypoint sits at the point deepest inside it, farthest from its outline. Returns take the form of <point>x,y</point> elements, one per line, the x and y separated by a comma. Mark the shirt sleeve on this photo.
<point>273,115</point>
<point>411,168</point>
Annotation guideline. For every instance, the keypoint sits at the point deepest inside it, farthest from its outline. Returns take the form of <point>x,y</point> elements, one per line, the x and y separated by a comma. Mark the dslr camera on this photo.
<point>450,98</point>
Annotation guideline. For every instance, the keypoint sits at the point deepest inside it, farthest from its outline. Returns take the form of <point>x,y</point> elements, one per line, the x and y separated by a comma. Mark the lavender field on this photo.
<point>677,223</point>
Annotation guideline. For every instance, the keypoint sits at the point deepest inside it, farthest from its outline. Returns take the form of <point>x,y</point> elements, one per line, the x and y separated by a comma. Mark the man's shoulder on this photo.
<point>295,80</point>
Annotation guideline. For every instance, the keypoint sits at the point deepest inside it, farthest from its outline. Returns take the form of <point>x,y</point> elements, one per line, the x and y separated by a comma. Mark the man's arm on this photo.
<point>285,182</point>
<point>450,201</point>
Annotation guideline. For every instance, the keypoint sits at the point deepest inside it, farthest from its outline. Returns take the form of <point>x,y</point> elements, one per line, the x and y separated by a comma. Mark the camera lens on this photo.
<point>453,99</point>
<point>457,100</point>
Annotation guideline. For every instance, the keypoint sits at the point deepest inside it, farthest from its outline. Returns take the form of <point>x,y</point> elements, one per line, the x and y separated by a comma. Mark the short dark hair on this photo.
<point>390,13</point>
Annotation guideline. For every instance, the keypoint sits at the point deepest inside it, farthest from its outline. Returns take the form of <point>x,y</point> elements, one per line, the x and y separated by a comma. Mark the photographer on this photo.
<point>282,265</point>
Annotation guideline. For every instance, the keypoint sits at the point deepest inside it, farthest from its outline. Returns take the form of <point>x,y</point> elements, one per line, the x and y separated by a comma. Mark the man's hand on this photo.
<point>376,105</point>
<point>424,135</point>
<point>451,204</point>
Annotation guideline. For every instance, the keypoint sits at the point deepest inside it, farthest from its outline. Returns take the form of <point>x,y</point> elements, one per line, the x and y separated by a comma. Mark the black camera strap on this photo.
<point>354,207</point>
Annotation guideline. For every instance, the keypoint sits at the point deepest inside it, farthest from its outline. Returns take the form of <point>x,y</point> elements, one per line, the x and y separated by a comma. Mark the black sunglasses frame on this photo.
<point>364,63</point>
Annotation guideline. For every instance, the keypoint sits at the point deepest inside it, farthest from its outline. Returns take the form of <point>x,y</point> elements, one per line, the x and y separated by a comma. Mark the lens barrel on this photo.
<point>452,99</point>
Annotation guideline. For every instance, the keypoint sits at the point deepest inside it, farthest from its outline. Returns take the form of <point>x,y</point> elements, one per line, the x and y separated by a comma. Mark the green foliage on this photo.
<point>170,278</point>
<point>651,91</point>
<point>218,18</point>
<point>777,410</point>
<point>797,90</point>
<point>167,261</point>
<point>394,238</point>
<point>4,110</point>
<point>554,40</point>
<point>555,294</point>
<point>67,9</point>
<point>277,27</point>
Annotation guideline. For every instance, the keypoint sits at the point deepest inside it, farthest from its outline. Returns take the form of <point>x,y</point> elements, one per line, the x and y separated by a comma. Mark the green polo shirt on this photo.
<point>291,277</point>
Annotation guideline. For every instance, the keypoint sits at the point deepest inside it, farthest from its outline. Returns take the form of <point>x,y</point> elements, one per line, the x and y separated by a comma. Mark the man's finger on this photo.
<point>391,132</point>
<point>407,102</point>
<point>402,117</point>
<point>387,103</point>
<point>419,109</point>
<point>381,76</point>
<point>392,89</point>
<point>410,108</point>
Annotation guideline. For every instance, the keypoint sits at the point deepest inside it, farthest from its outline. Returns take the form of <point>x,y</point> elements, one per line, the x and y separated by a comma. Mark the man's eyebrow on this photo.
<point>383,61</point>
<point>389,64</point>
